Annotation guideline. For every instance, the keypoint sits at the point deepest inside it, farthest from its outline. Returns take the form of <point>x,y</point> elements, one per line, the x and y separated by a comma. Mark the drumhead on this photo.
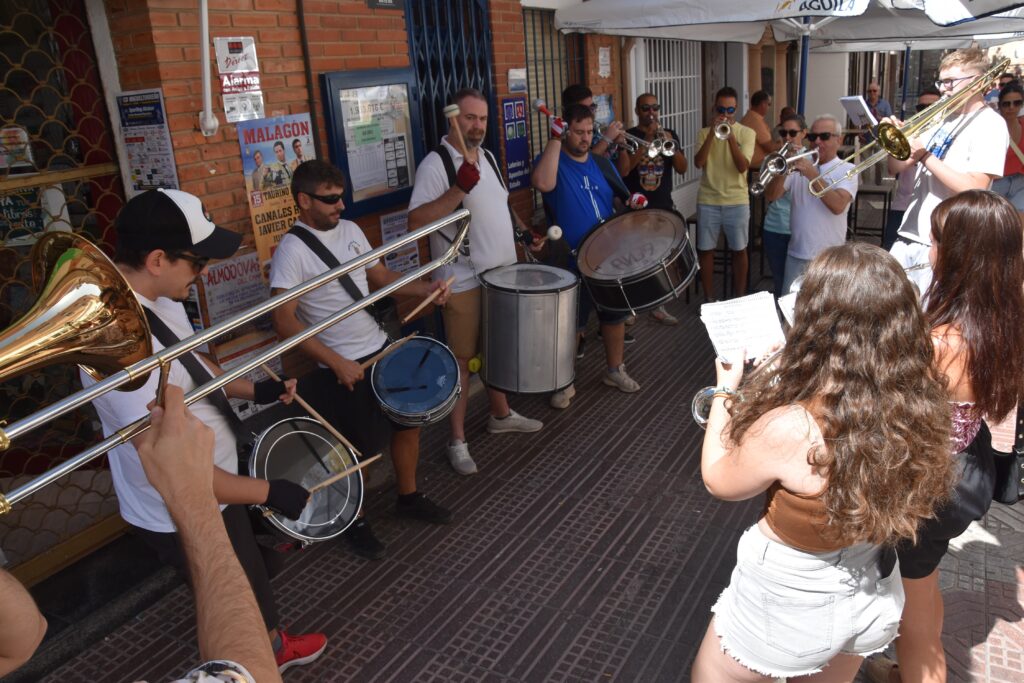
<point>523,278</point>
<point>301,450</point>
<point>416,378</point>
<point>631,244</point>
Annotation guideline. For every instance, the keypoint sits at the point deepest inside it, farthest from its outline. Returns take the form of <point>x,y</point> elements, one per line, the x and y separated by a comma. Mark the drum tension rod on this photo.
<point>5,441</point>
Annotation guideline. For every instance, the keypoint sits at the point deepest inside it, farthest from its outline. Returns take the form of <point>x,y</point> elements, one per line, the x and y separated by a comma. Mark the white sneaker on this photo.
<point>664,317</point>
<point>513,422</point>
<point>561,399</point>
<point>458,456</point>
<point>620,380</point>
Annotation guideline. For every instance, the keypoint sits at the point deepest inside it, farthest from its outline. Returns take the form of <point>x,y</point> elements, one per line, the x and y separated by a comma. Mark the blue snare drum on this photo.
<point>418,383</point>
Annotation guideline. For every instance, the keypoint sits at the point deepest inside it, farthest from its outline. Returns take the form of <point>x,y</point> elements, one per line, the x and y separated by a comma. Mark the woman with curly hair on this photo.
<point>975,306</point>
<point>849,437</point>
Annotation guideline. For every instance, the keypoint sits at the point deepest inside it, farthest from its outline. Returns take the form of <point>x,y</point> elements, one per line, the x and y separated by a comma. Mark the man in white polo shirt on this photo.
<point>478,186</point>
<point>816,223</point>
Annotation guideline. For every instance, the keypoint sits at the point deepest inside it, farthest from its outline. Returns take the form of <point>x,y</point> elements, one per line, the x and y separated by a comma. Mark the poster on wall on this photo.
<point>603,114</point>
<point>517,149</point>
<point>239,74</point>
<point>378,140</point>
<point>271,150</point>
<point>147,141</point>
<point>393,226</point>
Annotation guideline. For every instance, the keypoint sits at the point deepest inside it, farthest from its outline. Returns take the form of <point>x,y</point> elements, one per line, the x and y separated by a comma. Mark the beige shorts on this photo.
<point>462,322</point>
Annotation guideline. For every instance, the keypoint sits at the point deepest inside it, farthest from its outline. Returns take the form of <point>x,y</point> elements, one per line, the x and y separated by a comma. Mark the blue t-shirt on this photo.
<point>581,199</point>
<point>776,219</point>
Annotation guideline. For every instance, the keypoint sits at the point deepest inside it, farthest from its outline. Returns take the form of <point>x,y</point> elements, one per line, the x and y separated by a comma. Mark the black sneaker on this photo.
<point>628,339</point>
<point>362,541</point>
<point>418,506</point>
<point>579,347</point>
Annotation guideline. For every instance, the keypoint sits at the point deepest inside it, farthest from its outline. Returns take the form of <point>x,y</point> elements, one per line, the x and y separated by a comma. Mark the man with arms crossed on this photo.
<point>491,244</point>
<point>755,119</point>
<point>723,203</point>
<point>339,389</point>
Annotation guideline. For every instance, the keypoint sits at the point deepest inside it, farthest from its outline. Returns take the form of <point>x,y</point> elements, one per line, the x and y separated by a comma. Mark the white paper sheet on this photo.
<point>748,323</point>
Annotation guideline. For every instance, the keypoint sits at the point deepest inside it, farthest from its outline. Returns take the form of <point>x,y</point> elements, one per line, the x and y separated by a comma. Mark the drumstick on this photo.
<point>392,347</point>
<point>451,112</point>
<point>316,416</point>
<point>423,304</point>
<point>344,473</point>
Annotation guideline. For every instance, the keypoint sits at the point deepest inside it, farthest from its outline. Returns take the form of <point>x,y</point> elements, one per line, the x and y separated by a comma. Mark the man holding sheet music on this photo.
<point>816,223</point>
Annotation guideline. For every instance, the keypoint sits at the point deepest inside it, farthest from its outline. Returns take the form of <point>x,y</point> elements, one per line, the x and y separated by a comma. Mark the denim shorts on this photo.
<point>787,612</point>
<point>1011,187</point>
<point>712,220</point>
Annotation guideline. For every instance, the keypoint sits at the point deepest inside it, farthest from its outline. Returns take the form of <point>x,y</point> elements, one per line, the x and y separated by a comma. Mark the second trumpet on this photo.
<point>779,163</point>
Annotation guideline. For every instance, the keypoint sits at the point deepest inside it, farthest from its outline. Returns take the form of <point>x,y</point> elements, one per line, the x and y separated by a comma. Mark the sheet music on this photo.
<point>749,322</point>
<point>787,304</point>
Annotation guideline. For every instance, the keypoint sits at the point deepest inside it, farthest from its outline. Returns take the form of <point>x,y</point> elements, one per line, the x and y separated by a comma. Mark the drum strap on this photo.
<point>199,374</point>
<point>449,169</point>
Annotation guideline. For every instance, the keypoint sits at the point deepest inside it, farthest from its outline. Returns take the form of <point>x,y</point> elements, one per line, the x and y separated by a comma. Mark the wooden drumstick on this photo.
<point>393,347</point>
<point>423,304</point>
<point>451,112</point>
<point>316,416</point>
<point>344,473</point>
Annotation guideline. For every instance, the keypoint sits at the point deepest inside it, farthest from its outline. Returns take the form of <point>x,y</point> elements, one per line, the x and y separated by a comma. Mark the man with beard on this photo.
<point>477,186</point>
<point>165,238</point>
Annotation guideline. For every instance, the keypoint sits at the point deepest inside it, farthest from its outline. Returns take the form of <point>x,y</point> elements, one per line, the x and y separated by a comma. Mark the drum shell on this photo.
<point>528,338</point>
<point>645,292</point>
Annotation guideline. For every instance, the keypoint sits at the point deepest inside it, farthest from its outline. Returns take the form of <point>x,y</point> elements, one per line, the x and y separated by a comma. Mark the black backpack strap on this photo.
<point>619,188</point>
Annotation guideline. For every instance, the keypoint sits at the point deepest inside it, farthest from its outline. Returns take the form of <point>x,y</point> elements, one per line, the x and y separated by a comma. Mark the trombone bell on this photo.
<point>86,314</point>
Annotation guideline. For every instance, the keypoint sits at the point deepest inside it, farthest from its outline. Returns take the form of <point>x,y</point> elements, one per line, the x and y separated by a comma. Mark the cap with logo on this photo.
<point>173,220</point>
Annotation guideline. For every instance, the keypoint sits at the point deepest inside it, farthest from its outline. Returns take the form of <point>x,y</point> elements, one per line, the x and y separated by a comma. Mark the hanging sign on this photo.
<point>517,148</point>
<point>239,74</point>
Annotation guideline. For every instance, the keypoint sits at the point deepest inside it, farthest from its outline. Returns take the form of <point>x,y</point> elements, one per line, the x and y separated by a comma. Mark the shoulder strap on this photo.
<point>449,166</point>
<point>494,165</point>
<point>611,175</point>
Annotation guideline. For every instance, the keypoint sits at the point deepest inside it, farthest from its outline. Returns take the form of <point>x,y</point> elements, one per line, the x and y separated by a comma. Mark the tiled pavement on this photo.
<point>587,552</point>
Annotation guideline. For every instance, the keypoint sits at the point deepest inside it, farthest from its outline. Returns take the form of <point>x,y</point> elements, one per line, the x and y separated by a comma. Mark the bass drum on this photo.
<point>528,335</point>
<point>637,261</point>
<point>302,451</point>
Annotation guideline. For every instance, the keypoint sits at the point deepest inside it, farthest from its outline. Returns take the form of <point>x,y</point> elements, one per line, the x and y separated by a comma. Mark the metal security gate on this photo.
<point>450,48</point>
<point>57,172</point>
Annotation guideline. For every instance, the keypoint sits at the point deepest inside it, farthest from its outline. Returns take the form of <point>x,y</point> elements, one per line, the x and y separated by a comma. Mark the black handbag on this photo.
<point>1009,483</point>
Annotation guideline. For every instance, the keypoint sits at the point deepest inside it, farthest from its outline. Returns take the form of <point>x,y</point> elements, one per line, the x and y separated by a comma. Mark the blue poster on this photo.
<point>517,148</point>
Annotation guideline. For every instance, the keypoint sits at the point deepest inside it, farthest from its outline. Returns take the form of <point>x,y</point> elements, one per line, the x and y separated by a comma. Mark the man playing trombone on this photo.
<point>164,241</point>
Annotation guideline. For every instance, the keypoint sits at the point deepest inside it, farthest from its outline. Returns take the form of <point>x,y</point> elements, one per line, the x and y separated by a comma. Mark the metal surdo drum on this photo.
<point>528,336</point>
<point>302,451</point>
<point>418,383</point>
<point>638,260</point>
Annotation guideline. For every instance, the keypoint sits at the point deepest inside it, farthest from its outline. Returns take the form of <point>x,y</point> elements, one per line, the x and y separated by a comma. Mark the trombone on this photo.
<point>776,164</point>
<point>895,141</point>
<point>77,261</point>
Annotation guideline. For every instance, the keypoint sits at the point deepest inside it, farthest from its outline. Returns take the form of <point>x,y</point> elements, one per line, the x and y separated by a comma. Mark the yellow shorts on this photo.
<point>461,315</point>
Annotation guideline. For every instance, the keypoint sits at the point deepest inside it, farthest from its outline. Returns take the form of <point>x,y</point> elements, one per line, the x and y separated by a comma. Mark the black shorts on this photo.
<point>971,499</point>
<point>356,414</point>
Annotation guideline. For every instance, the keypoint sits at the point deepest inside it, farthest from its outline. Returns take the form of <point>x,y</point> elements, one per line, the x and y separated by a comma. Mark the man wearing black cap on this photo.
<point>164,240</point>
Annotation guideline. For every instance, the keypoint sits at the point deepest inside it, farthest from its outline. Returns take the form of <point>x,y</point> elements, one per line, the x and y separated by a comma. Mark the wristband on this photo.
<point>267,391</point>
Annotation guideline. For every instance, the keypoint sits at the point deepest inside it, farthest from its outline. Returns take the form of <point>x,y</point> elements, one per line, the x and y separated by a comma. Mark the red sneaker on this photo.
<point>299,649</point>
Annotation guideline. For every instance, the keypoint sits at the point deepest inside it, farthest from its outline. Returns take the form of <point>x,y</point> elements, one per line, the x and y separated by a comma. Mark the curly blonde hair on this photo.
<point>859,358</point>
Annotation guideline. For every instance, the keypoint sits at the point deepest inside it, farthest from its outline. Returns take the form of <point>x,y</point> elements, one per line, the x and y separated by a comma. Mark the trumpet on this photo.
<point>659,146</point>
<point>893,141</point>
<point>629,145</point>
<point>87,314</point>
<point>700,406</point>
<point>776,164</point>
<point>723,130</point>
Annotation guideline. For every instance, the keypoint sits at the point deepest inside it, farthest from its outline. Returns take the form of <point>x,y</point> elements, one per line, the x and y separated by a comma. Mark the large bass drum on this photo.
<point>637,261</point>
<point>528,335</point>
<point>302,451</point>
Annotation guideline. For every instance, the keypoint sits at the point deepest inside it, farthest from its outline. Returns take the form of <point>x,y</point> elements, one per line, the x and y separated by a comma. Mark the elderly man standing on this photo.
<point>816,223</point>
<point>477,185</point>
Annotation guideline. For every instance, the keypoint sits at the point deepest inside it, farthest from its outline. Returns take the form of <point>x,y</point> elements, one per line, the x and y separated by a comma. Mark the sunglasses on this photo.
<point>783,132</point>
<point>650,107</point>
<point>726,110</point>
<point>1006,104</point>
<point>326,198</point>
<point>198,262</point>
<point>921,107</point>
<point>825,137</point>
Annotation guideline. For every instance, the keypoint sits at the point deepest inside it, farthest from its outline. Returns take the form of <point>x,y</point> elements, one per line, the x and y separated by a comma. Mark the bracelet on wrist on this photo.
<point>724,392</point>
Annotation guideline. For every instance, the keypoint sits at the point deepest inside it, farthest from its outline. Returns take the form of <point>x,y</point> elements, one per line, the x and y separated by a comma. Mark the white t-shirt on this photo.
<point>491,240</point>
<point>814,227</point>
<point>974,142</point>
<point>140,503</point>
<point>293,263</point>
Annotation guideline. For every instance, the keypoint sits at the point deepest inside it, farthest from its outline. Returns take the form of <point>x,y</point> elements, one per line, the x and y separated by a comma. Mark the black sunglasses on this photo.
<point>813,137</point>
<point>326,198</point>
<point>650,107</point>
<point>1006,104</point>
<point>198,262</point>
<point>783,132</point>
<point>726,110</point>
<point>921,107</point>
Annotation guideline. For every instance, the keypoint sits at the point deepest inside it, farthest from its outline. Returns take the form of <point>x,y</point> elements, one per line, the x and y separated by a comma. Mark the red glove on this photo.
<point>557,127</point>
<point>467,177</point>
<point>637,201</point>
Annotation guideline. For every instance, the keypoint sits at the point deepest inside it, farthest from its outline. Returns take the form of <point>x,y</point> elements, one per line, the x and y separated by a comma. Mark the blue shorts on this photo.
<point>712,220</point>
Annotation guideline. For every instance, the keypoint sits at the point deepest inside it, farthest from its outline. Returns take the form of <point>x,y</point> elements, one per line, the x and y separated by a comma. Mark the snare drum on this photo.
<point>418,383</point>
<point>637,261</point>
<point>528,336</point>
<point>301,450</point>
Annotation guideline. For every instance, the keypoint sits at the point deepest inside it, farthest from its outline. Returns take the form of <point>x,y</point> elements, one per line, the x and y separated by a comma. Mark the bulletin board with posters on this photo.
<point>374,134</point>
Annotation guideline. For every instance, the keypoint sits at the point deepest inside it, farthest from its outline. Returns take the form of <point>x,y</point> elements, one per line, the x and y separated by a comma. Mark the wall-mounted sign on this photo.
<point>517,148</point>
<point>384,4</point>
<point>147,140</point>
<point>239,74</point>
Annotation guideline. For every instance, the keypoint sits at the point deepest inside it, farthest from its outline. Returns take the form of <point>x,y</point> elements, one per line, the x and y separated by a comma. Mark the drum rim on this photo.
<point>639,277</point>
<point>530,292</point>
<point>642,274</point>
<point>273,517</point>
